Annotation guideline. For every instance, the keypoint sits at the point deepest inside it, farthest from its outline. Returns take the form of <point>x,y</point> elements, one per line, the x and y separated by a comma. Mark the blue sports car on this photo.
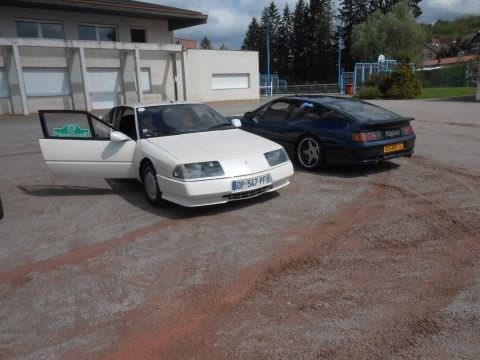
<point>320,130</point>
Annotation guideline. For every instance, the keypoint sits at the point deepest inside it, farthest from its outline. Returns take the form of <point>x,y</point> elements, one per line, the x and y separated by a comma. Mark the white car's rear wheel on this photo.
<point>150,184</point>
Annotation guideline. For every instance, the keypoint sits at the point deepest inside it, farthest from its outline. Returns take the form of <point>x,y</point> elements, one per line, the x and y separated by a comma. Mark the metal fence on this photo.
<point>301,89</point>
<point>449,76</point>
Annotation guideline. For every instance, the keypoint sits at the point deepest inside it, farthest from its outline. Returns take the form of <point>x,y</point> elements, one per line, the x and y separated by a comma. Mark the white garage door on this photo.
<point>46,81</point>
<point>4,83</point>
<point>104,84</point>
<point>230,81</point>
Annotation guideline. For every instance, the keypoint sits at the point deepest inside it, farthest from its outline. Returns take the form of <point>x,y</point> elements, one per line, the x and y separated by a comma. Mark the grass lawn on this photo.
<point>439,92</point>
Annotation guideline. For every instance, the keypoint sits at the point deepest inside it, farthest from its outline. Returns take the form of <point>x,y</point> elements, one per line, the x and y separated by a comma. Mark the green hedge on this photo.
<point>369,92</point>
<point>401,84</point>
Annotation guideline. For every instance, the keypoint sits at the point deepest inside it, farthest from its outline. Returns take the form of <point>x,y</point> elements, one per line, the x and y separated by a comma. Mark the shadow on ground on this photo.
<point>352,171</point>
<point>132,192</point>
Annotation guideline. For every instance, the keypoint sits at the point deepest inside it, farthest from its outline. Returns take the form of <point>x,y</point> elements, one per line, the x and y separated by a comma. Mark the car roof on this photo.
<point>162,103</point>
<point>320,99</point>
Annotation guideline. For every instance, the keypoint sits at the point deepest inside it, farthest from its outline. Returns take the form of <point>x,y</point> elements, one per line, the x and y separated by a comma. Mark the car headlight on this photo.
<point>276,157</point>
<point>198,170</point>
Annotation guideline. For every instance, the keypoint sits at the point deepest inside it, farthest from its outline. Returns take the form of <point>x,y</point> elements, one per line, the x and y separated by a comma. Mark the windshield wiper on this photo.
<point>219,126</point>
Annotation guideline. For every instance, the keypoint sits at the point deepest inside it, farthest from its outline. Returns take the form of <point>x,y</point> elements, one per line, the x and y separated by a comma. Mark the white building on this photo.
<point>83,55</point>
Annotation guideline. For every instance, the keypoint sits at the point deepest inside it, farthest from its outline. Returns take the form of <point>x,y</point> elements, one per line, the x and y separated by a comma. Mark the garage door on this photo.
<point>104,84</point>
<point>230,81</point>
<point>4,91</point>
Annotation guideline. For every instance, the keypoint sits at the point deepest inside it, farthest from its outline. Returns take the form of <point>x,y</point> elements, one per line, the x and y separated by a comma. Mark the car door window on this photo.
<point>101,130</point>
<point>75,125</point>
<point>126,123</point>
<point>305,110</point>
<point>278,111</point>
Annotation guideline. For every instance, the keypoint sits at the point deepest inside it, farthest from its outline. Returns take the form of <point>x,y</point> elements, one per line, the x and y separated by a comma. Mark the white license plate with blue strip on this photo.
<point>251,183</point>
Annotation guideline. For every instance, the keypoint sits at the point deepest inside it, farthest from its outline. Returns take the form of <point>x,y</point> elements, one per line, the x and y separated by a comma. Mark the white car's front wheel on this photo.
<point>150,184</point>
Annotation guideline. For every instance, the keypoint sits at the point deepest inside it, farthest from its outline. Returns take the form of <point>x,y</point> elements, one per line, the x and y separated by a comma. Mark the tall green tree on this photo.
<point>252,37</point>
<point>206,43</point>
<point>285,44</point>
<point>269,22</point>
<point>395,34</point>
<point>300,49</point>
<point>321,52</point>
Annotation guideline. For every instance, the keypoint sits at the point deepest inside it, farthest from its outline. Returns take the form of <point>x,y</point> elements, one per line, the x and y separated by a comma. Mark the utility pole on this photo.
<point>340,47</point>
<point>269,89</point>
<point>477,97</point>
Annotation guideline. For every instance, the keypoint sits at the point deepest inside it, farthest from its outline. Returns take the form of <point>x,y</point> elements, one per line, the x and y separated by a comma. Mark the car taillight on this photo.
<point>408,130</point>
<point>366,136</point>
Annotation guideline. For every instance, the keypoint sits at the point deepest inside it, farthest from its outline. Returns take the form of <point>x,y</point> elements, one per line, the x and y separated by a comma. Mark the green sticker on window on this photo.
<point>73,131</point>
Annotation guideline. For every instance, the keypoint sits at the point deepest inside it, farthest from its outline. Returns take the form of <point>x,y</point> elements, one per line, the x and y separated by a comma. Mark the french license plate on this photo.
<point>251,183</point>
<point>393,147</point>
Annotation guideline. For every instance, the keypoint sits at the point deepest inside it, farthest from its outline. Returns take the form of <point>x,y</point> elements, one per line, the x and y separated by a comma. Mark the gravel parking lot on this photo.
<point>366,262</point>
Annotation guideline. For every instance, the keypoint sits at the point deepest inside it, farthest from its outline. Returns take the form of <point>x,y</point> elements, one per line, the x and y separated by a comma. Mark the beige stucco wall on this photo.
<point>157,31</point>
<point>202,64</point>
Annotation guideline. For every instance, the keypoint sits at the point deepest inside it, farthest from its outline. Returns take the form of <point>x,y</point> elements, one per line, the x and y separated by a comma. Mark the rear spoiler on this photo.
<point>388,122</point>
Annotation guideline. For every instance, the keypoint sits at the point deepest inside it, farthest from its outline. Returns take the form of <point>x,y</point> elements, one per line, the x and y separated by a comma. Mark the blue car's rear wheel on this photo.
<point>310,153</point>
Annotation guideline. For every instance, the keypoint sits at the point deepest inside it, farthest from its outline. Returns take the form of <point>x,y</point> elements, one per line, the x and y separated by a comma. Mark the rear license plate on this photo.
<point>251,183</point>
<point>393,147</point>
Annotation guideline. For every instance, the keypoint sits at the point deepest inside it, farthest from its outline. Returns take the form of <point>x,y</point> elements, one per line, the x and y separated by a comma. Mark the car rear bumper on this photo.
<point>219,191</point>
<point>366,153</point>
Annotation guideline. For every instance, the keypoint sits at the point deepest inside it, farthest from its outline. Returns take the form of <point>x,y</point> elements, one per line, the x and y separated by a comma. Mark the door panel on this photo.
<point>272,123</point>
<point>89,159</point>
<point>77,145</point>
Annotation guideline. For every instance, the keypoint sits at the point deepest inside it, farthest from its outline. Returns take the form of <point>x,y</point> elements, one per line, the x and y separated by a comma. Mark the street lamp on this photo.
<point>268,57</point>
<point>340,48</point>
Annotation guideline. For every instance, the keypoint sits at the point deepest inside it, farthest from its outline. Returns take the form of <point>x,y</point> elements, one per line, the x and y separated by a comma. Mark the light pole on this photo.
<point>340,47</point>
<point>268,59</point>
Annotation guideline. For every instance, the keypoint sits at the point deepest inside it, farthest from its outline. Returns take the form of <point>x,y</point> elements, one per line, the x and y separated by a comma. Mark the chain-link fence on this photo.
<point>301,89</point>
<point>449,76</point>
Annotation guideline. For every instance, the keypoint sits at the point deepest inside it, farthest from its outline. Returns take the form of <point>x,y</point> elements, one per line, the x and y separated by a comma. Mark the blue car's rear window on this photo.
<point>362,111</point>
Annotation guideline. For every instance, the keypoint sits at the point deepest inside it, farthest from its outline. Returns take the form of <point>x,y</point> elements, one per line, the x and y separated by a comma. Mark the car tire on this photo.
<point>310,153</point>
<point>150,184</point>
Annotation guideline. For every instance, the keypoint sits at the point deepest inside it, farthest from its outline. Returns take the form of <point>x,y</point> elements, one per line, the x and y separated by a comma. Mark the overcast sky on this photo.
<point>228,19</point>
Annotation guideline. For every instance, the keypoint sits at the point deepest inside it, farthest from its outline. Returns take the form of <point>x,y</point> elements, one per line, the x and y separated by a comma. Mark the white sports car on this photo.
<point>181,152</point>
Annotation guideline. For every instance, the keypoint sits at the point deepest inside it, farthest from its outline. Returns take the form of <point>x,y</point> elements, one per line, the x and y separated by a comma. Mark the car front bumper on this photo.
<point>219,191</point>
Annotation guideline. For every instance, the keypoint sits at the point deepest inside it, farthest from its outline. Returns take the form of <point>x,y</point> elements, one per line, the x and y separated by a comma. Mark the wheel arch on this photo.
<point>144,162</point>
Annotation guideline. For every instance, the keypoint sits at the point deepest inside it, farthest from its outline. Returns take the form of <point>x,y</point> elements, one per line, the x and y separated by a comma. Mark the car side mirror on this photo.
<point>248,115</point>
<point>117,136</point>
<point>236,122</point>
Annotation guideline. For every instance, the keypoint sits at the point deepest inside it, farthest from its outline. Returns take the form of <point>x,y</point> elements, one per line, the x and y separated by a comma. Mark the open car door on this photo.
<point>77,144</point>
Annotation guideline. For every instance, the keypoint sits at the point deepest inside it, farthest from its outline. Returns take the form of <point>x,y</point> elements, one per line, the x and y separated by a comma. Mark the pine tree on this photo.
<point>269,22</point>
<point>300,42</point>
<point>321,50</point>
<point>206,43</point>
<point>252,37</point>
<point>222,47</point>
<point>285,44</point>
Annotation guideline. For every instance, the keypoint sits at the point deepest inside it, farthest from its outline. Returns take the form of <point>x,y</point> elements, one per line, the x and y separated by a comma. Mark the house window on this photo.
<point>107,34</point>
<point>35,29</point>
<point>97,33</point>
<point>86,32</point>
<point>27,29</point>
<point>138,35</point>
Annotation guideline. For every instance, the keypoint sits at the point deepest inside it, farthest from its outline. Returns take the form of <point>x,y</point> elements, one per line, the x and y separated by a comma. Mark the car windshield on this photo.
<point>362,111</point>
<point>163,120</point>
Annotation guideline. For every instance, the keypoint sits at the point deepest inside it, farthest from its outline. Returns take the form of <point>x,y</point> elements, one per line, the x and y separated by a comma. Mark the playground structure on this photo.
<point>364,72</point>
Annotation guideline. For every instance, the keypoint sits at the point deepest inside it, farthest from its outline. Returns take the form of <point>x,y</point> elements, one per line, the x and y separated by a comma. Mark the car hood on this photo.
<point>230,147</point>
